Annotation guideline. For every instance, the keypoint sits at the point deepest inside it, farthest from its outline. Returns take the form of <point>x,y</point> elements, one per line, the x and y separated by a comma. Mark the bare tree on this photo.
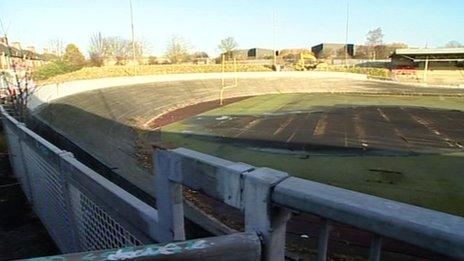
<point>98,49</point>
<point>227,45</point>
<point>115,47</point>
<point>142,48</point>
<point>56,47</point>
<point>177,50</point>
<point>374,38</point>
<point>454,44</point>
<point>119,48</point>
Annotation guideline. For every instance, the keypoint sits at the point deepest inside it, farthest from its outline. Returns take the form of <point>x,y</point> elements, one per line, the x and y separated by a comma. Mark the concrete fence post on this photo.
<point>168,197</point>
<point>26,178</point>
<point>63,169</point>
<point>260,216</point>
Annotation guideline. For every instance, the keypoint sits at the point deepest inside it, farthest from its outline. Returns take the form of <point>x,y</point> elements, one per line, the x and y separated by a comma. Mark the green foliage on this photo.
<point>74,57</point>
<point>53,69</point>
<point>73,60</point>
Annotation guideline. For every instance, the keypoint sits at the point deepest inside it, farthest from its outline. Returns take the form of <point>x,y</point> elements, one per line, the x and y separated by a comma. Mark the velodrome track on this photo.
<point>109,122</point>
<point>106,122</point>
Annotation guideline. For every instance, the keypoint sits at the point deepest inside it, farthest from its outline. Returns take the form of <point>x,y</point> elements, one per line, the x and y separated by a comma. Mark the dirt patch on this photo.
<point>188,111</point>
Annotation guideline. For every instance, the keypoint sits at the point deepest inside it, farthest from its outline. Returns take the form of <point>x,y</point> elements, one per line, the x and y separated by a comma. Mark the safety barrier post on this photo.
<point>25,171</point>
<point>168,197</point>
<point>65,175</point>
<point>261,216</point>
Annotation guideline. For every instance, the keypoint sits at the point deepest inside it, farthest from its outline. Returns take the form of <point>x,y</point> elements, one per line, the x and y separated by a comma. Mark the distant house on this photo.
<point>201,58</point>
<point>333,50</point>
<point>14,54</point>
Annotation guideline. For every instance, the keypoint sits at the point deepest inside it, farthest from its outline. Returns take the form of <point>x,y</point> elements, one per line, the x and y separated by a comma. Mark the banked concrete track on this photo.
<point>104,117</point>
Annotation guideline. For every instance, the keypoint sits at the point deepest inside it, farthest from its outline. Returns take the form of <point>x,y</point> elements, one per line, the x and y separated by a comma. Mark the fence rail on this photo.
<point>81,210</point>
<point>85,212</point>
<point>238,246</point>
<point>267,198</point>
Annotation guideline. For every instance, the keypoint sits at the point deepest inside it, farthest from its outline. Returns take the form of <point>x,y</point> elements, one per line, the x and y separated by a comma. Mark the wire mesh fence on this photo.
<point>81,210</point>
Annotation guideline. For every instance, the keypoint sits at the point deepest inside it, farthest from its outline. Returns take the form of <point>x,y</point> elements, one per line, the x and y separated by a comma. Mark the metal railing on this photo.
<point>238,246</point>
<point>85,212</point>
<point>81,210</point>
<point>267,198</point>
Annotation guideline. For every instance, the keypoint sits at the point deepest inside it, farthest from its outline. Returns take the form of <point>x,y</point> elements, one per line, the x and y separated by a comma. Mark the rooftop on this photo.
<point>422,51</point>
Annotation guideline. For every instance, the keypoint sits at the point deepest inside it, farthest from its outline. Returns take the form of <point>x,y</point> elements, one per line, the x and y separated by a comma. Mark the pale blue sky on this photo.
<point>203,23</point>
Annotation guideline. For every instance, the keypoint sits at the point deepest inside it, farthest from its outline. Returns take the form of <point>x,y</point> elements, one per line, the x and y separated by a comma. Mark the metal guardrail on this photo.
<point>267,198</point>
<point>84,212</point>
<point>238,246</point>
<point>81,210</point>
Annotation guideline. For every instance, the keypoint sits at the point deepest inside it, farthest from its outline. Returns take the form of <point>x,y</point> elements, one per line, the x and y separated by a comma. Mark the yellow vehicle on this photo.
<point>307,61</point>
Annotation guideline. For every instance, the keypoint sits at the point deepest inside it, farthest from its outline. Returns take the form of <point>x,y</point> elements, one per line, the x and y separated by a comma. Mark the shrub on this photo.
<point>53,69</point>
<point>74,57</point>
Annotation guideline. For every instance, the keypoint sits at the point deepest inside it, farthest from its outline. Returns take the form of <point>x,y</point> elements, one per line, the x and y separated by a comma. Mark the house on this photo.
<point>14,54</point>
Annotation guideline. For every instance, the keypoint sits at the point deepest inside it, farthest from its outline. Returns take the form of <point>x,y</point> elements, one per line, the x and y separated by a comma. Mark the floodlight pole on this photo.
<point>133,41</point>
<point>346,31</point>
<point>274,38</point>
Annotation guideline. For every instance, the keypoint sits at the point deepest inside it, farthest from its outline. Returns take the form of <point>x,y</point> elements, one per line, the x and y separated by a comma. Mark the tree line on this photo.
<point>121,51</point>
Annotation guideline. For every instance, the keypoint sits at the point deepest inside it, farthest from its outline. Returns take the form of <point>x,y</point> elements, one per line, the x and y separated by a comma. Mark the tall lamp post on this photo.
<point>133,41</point>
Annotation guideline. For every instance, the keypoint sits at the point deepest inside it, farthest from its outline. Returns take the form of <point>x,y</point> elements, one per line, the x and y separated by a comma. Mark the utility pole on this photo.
<point>346,31</point>
<point>133,40</point>
<point>274,38</point>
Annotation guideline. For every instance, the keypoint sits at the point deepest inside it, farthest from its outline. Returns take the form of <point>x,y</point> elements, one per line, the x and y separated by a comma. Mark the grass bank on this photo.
<point>119,71</point>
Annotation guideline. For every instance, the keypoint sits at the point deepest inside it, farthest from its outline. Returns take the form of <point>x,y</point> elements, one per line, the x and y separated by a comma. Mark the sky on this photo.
<point>203,23</point>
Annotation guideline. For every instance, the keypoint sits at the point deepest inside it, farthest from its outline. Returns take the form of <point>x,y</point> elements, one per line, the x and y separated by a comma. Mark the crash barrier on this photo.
<point>83,211</point>
<point>268,197</point>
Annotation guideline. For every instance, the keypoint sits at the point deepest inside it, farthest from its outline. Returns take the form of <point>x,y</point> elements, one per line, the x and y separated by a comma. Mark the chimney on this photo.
<point>16,45</point>
<point>31,49</point>
<point>3,40</point>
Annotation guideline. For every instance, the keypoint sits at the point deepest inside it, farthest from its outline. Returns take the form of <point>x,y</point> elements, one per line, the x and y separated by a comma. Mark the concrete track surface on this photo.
<point>110,122</point>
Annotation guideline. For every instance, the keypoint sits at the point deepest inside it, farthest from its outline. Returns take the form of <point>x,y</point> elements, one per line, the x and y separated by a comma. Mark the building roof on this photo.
<point>20,53</point>
<point>431,51</point>
<point>431,54</point>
